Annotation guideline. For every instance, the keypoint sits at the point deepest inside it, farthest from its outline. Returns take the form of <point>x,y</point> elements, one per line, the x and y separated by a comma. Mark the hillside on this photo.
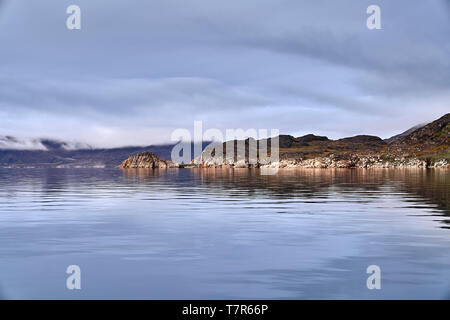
<point>423,147</point>
<point>404,134</point>
<point>430,141</point>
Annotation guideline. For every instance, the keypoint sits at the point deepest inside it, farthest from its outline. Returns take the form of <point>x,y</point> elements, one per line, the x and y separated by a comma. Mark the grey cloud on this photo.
<point>415,57</point>
<point>137,70</point>
<point>124,97</point>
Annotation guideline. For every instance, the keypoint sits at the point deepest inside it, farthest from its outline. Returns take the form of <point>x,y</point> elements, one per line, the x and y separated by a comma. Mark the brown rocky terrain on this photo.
<point>147,160</point>
<point>430,141</point>
<point>426,146</point>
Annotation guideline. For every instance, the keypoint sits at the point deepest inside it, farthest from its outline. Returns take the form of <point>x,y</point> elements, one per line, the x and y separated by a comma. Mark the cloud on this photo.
<point>8,142</point>
<point>121,99</point>
<point>137,71</point>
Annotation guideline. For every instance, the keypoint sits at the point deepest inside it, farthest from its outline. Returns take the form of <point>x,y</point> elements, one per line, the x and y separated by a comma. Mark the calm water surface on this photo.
<point>207,234</point>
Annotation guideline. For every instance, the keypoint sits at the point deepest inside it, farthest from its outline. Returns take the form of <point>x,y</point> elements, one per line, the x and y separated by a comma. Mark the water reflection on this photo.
<point>223,233</point>
<point>431,186</point>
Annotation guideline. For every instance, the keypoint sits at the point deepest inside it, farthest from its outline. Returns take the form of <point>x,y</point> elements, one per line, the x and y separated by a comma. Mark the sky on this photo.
<point>137,70</point>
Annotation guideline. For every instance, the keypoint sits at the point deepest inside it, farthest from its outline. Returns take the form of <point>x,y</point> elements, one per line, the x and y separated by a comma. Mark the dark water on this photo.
<point>224,234</point>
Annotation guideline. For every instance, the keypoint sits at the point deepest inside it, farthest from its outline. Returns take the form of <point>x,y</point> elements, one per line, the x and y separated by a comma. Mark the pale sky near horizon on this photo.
<point>137,70</point>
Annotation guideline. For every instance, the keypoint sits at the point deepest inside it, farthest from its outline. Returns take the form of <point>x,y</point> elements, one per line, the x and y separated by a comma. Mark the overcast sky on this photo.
<point>137,69</point>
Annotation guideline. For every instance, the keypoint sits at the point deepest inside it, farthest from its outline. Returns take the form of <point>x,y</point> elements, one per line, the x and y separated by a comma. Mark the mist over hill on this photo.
<point>55,154</point>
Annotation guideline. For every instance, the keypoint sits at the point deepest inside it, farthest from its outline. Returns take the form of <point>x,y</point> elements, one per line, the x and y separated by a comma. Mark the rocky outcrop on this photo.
<point>147,160</point>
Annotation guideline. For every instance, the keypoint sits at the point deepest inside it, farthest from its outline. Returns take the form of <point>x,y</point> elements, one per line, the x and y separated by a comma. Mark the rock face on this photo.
<point>147,160</point>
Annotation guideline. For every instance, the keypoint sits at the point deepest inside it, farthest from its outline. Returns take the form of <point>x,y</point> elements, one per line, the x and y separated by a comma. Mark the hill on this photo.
<point>430,141</point>
<point>424,146</point>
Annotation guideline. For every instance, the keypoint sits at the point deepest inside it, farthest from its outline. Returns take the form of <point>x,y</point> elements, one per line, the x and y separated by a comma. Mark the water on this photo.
<point>210,234</point>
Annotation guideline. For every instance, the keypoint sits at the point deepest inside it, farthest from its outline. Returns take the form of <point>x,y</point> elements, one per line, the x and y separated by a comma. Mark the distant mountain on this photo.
<point>404,134</point>
<point>55,154</point>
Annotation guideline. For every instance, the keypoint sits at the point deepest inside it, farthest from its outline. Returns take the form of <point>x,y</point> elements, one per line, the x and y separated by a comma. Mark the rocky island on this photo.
<point>147,160</point>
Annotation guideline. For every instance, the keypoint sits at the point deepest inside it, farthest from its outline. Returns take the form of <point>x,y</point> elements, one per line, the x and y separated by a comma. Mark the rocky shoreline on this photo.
<point>148,160</point>
<point>332,161</point>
